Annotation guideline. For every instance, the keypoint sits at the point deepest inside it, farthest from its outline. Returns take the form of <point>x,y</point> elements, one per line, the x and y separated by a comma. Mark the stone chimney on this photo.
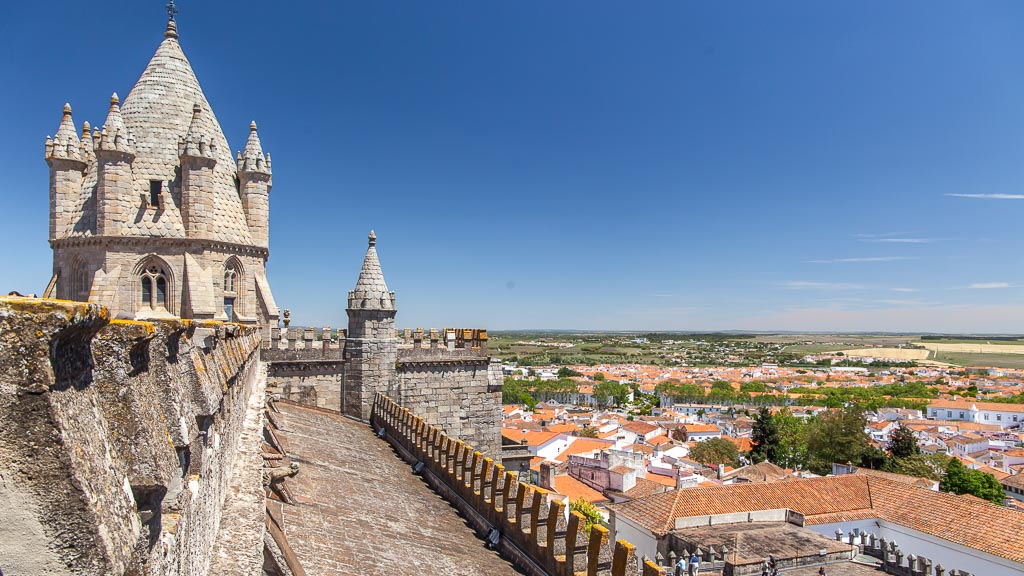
<point>547,476</point>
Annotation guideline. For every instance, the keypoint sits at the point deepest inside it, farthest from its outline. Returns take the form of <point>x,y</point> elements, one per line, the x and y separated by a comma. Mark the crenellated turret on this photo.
<point>197,153</point>
<point>254,176</point>
<point>114,147</point>
<point>67,169</point>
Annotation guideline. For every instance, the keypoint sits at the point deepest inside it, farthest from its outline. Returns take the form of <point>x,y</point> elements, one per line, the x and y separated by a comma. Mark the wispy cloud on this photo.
<point>989,285</point>
<point>899,240</point>
<point>904,289</point>
<point>893,238</point>
<point>860,260</point>
<point>989,196</point>
<point>810,285</point>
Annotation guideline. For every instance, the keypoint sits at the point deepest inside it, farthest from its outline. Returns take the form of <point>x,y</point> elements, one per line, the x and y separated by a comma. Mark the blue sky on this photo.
<point>591,165</point>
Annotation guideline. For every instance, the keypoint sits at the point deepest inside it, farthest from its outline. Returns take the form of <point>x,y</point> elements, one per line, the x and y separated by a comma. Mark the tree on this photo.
<point>589,511</point>
<point>930,466</point>
<point>792,452</point>
<point>610,392</point>
<point>960,480</point>
<point>902,443</point>
<point>837,436</point>
<point>714,451</point>
<point>516,392</point>
<point>753,386</point>
<point>566,372</point>
<point>588,432</point>
<point>765,437</point>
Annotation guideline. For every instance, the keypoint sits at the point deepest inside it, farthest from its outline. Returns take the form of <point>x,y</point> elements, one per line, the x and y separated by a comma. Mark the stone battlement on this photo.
<point>120,438</point>
<point>448,343</point>
<point>537,532</point>
<point>305,344</point>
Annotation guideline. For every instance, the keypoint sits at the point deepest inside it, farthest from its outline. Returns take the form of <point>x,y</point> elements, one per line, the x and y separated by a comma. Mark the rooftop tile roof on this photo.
<point>845,498</point>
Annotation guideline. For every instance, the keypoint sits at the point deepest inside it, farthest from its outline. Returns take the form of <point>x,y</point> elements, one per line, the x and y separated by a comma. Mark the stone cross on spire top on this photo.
<point>172,26</point>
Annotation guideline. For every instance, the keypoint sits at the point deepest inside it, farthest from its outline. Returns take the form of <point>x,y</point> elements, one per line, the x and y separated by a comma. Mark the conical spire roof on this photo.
<point>66,132</point>
<point>252,158</point>
<point>371,292</point>
<point>159,112</point>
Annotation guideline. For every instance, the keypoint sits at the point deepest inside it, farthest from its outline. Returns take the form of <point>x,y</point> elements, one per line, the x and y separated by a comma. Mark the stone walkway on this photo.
<point>361,510</point>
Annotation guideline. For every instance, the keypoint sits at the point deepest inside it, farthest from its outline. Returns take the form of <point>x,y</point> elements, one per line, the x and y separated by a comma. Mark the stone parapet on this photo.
<point>535,529</point>
<point>119,438</point>
<point>298,344</point>
<point>446,343</point>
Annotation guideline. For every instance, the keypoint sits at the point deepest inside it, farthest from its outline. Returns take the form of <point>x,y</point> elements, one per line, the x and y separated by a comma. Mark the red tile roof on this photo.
<point>573,488</point>
<point>640,427</point>
<point>844,498</point>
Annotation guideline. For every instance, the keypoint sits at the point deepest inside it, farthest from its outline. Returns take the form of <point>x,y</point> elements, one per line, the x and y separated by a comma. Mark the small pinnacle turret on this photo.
<point>114,136</point>
<point>371,291</point>
<point>252,158</point>
<point>65,143</point>
<point>195,143</point>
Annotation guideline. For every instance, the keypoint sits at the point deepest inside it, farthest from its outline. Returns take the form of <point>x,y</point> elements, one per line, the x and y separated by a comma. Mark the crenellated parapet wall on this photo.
<point>119,438</point>
<point>537,532</point>
<point>298,344</point>
<point>447,344</point>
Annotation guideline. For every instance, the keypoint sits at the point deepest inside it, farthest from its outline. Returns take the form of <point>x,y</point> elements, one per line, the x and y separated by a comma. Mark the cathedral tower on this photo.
<point>151,215</point>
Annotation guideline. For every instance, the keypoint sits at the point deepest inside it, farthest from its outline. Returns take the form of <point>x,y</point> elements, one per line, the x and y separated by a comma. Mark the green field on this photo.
<point>989,360</point>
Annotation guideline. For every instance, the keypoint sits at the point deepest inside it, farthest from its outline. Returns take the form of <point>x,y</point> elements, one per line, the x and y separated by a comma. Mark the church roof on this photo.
<point>371,292</point>
<point>158,112</point>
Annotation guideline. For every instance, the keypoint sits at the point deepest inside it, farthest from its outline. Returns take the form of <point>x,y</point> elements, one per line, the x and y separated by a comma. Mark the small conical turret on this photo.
<point>114,136</point>
<point>196,144</point>
<point>252,159</point>
<point>65,143</point>
<point>67,168</point>
<point>371,291</point>
<point>255,182</point>
<point>86,142</point>
<point>66,131</point>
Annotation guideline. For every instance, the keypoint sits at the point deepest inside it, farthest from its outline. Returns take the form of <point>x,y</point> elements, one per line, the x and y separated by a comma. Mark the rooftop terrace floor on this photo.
<point>360,510</point>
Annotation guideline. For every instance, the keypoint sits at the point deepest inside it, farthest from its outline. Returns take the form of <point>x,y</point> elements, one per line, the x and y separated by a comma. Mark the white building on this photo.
<point>980,412</point>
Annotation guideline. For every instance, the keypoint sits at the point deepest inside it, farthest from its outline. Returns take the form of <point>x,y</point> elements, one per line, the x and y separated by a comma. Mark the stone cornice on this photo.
<point>185,244</point>
<point>414,363</point>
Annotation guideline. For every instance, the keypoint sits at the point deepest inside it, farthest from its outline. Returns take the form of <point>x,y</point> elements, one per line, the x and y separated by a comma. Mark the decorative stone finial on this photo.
<point>197,109</point>
<point>114,101</point>
<point>67,109</point>
<point>172,26</point>
<point>252,126</point>
<point>372,238</point>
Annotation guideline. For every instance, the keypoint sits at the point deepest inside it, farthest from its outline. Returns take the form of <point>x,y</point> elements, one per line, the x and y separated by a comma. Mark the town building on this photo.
<point>981,412</point>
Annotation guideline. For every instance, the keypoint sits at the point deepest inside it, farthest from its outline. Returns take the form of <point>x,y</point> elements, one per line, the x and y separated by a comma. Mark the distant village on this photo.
<point>680,446</point>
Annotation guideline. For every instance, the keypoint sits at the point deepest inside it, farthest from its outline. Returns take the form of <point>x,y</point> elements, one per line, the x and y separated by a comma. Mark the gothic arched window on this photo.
<point>154,288</point>
<point>79,282</point>
<point>232,289</point>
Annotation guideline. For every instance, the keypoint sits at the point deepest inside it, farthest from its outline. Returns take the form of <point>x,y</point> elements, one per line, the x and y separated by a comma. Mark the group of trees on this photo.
<point>529,392</point>
<point>720,392</point>
<point>839,436</point>
<point>714,451</point>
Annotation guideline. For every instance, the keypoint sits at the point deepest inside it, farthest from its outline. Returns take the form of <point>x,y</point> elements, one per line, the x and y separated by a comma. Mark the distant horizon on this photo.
<point>799,166</point>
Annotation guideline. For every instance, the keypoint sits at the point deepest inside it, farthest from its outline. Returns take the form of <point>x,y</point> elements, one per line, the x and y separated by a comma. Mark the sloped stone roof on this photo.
<point>360,510</point>
<point>371,292</point>
<point>158,111</point>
